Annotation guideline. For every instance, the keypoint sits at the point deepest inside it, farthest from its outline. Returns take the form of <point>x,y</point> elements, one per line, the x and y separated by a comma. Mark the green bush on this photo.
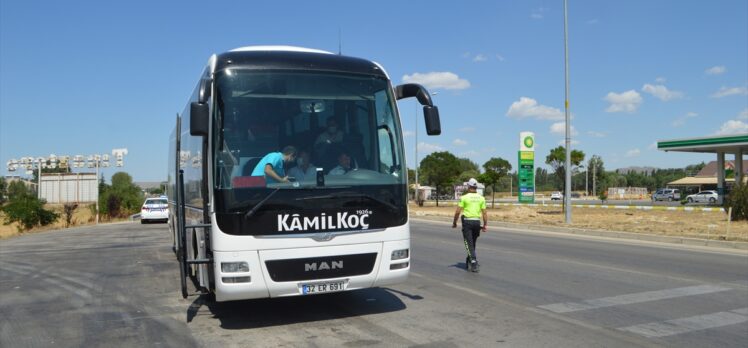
<point>69,209</point>
<point>28,211</point>
<point>121,198</point>
<point>603,195</point>
<point>738,201</point>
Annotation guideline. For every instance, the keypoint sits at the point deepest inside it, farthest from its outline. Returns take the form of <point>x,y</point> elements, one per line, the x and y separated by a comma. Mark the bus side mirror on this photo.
<point>431,118</point>
<point>430,111</point>
<point>199,119</point>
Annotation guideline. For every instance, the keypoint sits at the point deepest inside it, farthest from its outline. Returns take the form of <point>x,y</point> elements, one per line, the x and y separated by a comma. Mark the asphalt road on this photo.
<point>116,285</point>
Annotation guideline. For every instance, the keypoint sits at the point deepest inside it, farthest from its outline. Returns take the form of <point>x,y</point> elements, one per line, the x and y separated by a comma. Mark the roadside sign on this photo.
<point>526,168</point>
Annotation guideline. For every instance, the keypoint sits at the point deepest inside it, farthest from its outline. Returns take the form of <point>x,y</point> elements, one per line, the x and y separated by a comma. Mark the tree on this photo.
<point>468,169</point>
<point>557,158</point>
<point>17,189</point>
<point>466,175</point>
<point>68,209</point>
<point>596,169</point>
<point>738,201</point>
<point>439,169</point>
<point>495,169</point>
<point>48,170</point>
<point>3,190</point>
<point>467,165</point>
<point>23,207</point>
<point>121,198</point>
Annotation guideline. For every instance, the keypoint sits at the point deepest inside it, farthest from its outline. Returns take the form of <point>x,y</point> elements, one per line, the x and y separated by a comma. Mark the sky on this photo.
<point>83,78</point>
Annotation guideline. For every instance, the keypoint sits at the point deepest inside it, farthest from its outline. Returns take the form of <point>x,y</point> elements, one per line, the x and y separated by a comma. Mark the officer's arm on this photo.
<point>457,216</point>
<point>485,218</point>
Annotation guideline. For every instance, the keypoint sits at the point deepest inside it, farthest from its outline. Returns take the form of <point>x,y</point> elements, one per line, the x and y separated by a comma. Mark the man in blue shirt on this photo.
<point>271,166</point>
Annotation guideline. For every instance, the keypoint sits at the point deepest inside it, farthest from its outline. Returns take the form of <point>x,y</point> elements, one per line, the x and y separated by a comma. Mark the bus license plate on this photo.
<point>318,288</point>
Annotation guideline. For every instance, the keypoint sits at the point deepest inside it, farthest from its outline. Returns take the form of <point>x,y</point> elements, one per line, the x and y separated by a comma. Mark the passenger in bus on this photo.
<point>304,170</point>
<point>345,164</point>
<point>331,135</point>
<point>271,166</point>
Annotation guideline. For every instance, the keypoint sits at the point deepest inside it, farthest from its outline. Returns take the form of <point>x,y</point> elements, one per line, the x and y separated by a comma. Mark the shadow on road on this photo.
<point>259,313</point>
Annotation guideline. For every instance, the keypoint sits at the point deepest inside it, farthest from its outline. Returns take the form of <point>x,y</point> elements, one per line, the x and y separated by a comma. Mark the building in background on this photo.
<point>59,188</point>
<point>706,178</point>
<point>461,189</point>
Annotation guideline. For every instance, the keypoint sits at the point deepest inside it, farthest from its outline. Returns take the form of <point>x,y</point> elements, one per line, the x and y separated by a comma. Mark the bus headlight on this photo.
<point>399,254</point>
<point>234,267</point>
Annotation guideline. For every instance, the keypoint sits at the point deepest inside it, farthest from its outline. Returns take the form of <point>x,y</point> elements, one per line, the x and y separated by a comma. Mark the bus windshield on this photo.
<point>332,140</point>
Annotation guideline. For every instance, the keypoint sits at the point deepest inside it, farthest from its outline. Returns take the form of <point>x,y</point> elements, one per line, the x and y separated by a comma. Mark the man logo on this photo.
<point>321,266</point>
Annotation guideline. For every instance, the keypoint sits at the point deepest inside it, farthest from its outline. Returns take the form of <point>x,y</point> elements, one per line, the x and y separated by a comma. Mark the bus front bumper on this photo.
<point>304,271</point>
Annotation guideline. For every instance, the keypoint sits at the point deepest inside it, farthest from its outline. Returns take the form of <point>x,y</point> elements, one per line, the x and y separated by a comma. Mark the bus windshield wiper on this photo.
<point>349,194</point>
<point>260,204</point>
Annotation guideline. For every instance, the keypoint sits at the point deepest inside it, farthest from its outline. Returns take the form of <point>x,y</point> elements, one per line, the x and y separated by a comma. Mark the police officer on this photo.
<point>472,207</point>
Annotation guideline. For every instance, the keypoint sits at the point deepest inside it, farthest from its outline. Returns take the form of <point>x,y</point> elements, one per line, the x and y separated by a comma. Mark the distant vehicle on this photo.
<point>703,197</point>
<point>575,195</point>
<point>154,209</point>
<point>557,196</point>
<point>666,195</point>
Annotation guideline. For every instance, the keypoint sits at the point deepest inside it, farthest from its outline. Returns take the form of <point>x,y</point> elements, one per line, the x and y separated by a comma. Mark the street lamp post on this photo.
<point>39,177</point>
<point>417,186</point>
<point>567,194</point>
<point>416,153</point>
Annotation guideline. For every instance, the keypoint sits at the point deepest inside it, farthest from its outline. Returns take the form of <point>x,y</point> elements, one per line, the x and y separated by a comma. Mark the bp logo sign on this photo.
<point>529,142</point>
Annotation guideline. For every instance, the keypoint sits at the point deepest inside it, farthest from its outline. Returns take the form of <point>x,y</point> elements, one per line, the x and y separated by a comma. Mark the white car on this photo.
<point>703,197</point>
<point>154,209</point>
<point>557,196</point>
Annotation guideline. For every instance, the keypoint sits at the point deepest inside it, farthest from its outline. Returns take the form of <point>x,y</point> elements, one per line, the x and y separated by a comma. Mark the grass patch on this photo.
<point>691,224</point>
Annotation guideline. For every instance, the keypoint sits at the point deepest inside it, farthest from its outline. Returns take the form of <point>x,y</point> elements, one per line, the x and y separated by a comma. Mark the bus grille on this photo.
<point>321,267</point>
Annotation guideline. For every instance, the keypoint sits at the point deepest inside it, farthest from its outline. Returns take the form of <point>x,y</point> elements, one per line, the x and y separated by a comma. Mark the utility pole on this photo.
<point>416,147</point>
<point>511,189</point>
<point>567,193</point>
<point>587,181</point>
<point>97,188</point>
<point>39,178</point>
<point>416,153</point>
<point>594,170</point>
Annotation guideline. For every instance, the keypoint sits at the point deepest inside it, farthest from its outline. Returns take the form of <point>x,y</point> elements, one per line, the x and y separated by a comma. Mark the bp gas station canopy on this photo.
<point>736,144</point>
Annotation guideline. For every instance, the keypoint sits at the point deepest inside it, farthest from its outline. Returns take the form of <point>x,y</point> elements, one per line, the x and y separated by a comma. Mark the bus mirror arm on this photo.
<point>204,91</point>
<point>199,119</point>
<point>409,90</point>
<point>430,111</point>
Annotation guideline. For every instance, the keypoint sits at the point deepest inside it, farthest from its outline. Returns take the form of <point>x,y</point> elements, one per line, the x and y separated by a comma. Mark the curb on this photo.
<point>722,244</point>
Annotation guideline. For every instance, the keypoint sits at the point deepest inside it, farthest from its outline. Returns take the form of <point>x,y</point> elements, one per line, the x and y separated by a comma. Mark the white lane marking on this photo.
<point>688,324</point>
<point>639,297</point>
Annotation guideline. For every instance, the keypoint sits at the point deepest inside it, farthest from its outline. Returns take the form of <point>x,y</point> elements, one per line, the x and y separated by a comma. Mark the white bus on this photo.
<point>241,234</point>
